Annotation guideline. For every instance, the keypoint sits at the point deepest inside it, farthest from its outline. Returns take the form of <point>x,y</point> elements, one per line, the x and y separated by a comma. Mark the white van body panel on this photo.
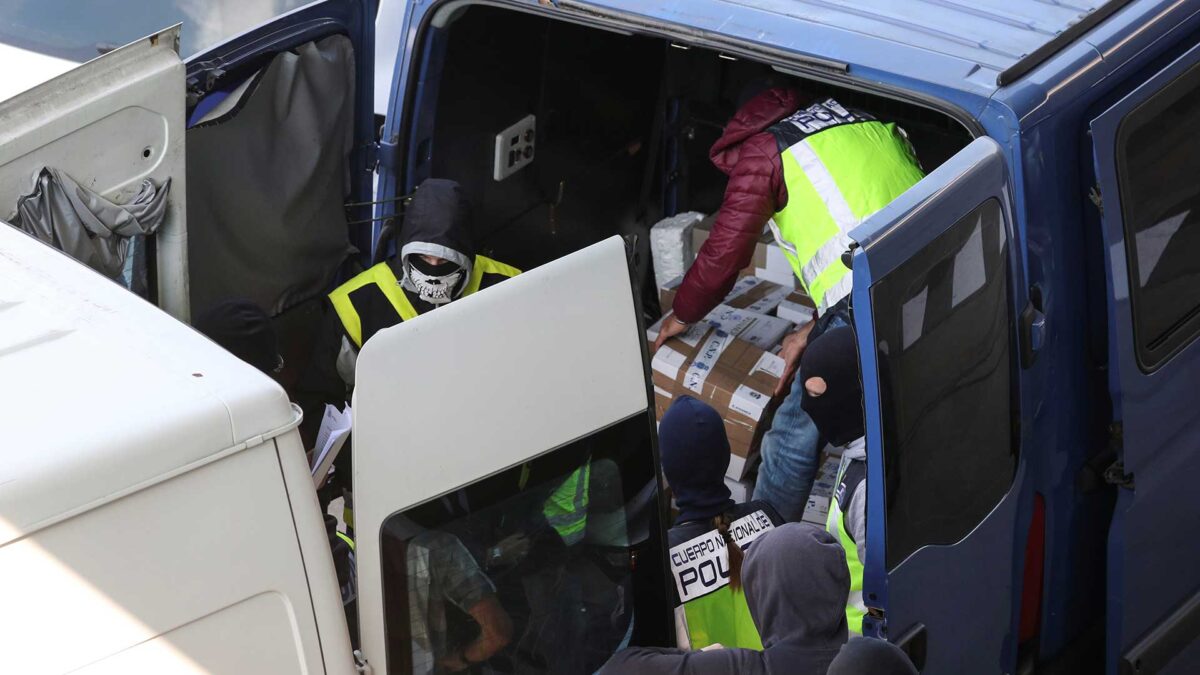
<point>156,513</point>
<point>110,124</point>
<point>515,385</point>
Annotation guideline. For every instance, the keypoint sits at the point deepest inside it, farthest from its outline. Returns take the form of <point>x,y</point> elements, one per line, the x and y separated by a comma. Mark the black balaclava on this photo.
<point>838,413</point>
<point>244,329</point>
<point>695,455</point>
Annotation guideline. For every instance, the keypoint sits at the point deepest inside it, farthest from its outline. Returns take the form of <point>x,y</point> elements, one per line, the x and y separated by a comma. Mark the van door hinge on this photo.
<point>387,152</point>
<point>1097,198</point>
<point>360,663</point>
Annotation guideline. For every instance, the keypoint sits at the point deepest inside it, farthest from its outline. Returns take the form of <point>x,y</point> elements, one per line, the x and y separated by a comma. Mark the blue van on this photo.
<point>1026,314</point>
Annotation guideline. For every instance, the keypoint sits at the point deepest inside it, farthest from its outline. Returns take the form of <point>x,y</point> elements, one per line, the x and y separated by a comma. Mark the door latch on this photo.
<point>1033,327</point>
<point>360,663</point>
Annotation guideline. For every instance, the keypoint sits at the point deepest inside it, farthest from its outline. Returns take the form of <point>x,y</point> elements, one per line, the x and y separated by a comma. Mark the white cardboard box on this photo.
<point>740,490</point>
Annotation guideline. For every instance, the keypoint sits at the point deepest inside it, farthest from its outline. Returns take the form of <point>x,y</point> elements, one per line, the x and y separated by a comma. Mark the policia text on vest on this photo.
<point>840,166</point>
<point>710,611</point>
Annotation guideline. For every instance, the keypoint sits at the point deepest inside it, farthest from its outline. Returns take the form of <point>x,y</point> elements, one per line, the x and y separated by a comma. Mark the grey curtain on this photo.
<point>85,225</point>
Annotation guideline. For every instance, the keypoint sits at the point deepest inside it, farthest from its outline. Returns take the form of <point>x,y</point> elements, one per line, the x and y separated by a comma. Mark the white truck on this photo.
<point>156,510</point>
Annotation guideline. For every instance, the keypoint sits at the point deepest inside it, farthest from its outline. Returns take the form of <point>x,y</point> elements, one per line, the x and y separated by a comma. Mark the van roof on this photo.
<point>973,45</point>
<point>104,394</point>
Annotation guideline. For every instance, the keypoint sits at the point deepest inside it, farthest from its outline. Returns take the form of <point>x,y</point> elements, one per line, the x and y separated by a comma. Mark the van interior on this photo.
<point>624,123</point>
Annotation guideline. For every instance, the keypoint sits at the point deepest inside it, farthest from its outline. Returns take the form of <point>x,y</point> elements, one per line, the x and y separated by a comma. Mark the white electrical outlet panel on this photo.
<point>514,148</point>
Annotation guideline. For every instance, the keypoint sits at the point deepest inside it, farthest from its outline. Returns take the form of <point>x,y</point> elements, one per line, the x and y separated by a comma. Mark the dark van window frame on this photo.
<point>910,305</point>
<point>472,531</point>
<point>1154,346</point>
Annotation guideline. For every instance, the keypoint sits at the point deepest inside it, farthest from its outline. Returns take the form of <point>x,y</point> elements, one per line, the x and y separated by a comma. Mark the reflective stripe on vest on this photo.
<point>346,538</point>
<point>836,178</point>
<point>721,617</point>
<point>836,525</point>
<point>382,276</point>
<point>566,508</point>
<point>713,611</point>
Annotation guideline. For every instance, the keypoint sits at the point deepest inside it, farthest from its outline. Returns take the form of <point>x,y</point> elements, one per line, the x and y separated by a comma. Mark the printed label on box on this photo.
<point>692,336</point>
<point>769,364</point>
<point>705,359</point>
<point>748,402</point>
<point>769,301</point>
<point>668,362</point>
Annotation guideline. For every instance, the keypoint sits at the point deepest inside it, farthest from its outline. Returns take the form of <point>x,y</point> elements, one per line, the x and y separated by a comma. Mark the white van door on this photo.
<point>506,493</point>
<point>110,125</point>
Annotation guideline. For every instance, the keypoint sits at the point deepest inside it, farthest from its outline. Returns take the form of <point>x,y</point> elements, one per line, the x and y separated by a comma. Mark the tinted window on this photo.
<point>943,326</point>
<point>1158,169</point>
<point>565,550</point>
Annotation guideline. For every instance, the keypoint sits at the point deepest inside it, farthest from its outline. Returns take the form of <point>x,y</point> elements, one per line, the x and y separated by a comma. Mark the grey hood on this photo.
<point>797,583</point>
<point>437,222</point>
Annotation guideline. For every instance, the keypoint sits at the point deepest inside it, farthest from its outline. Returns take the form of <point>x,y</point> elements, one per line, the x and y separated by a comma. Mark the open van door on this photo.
<point>505,478</point>
<point>935,320</point>
<point>1148,167</point>
<point>110,125</point>
<point>118,122</point>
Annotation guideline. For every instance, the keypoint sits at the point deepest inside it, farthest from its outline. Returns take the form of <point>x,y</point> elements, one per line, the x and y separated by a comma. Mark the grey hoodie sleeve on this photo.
<point>856,520</point>
<point>654,661</point>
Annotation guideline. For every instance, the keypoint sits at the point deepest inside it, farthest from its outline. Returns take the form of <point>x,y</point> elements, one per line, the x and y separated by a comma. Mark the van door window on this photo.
<point>1158,171</point>
<point>943,328</point>
<point>541,568</point>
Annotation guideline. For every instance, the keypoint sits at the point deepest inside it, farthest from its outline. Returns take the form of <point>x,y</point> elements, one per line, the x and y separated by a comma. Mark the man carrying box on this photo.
<point>813,174</point>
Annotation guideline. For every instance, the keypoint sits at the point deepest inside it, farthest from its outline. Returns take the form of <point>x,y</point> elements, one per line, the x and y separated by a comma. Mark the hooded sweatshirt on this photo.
<point>749,155</point>
<point>796,585</point>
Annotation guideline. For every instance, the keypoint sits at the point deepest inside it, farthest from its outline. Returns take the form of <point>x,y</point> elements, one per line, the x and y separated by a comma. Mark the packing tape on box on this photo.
<point>769,364</point>
<point>706,359</point>
<point>749,402</point>
<point>769,301</point>
<point>668,362</point>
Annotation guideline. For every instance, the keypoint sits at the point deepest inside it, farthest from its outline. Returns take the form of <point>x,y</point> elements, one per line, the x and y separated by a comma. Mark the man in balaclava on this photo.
<point>833,398</point>
<point>437,264</point>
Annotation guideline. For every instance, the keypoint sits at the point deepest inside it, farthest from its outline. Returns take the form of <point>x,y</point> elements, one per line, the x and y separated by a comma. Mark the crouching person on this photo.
<point>709,536</point>
<point>833,399</point>
<point>796,582</point>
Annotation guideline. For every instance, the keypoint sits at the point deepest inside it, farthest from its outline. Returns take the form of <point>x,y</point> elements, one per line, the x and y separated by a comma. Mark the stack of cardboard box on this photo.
<point>728,360</point>
<point>732,375</point>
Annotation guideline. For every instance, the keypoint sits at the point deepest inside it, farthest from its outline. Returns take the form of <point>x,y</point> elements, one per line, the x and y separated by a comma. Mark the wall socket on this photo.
<point>514,148</point>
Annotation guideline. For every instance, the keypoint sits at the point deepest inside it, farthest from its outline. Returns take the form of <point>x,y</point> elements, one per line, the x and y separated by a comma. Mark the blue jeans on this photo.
<point>791,448</point>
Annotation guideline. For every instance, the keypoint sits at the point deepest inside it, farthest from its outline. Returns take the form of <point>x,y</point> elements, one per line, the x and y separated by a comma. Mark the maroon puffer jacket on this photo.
<point>748,155</point>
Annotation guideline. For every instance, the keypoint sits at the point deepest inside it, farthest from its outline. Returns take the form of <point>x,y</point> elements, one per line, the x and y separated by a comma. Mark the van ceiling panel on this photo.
<point>996,34</point>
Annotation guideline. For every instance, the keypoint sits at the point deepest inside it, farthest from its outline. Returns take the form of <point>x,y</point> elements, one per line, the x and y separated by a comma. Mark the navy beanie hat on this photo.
<point>695,455</point>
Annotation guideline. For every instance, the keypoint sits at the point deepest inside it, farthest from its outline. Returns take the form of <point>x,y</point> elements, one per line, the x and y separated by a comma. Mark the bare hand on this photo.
<point>790,351</point>
<point>670,328</point>
<point>513,548</point>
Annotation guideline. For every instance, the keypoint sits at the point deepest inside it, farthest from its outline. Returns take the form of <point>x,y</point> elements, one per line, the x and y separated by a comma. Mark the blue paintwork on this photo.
<point>1157,410</point>
<point>983,644</point>
<point>1039,125</point>
<point>250,50</point>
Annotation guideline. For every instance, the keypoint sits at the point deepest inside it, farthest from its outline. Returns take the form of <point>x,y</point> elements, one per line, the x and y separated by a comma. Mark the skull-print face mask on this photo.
<point>436,284</point>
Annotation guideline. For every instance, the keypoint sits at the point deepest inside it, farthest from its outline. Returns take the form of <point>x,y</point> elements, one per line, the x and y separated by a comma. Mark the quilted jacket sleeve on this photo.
<point>754,193</point>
